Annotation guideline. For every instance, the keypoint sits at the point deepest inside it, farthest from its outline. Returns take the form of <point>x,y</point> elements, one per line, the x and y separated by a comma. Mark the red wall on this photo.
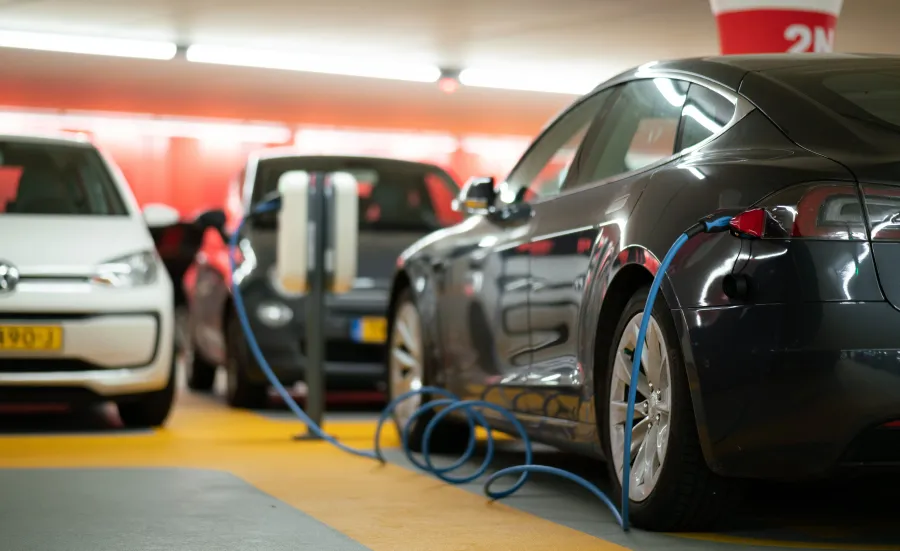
<point>190,164</point>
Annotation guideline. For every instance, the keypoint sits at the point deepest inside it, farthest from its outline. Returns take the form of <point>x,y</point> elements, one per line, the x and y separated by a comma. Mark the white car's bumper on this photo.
<point>115,341</point>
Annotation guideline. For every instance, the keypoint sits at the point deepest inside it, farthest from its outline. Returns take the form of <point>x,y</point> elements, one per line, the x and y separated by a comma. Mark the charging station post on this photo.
<point>317,235</point>
<point>317,253</point>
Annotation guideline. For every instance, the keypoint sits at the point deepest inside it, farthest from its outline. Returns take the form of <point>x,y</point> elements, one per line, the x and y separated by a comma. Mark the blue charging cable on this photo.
<point>449,402</point>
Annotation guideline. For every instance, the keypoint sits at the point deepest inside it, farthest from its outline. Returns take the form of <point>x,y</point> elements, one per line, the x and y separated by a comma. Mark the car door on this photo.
<point>482,304</point>
<point>499,272</point>
<point>636,132</point>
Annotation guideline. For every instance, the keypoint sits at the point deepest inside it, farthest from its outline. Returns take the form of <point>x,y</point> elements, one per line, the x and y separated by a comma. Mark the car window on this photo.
<point>866,93</point>
<point>705,113</point>
<point>393,195</point>
<point>544,168</point>
<point>57,179</point>
<point>639,129</point>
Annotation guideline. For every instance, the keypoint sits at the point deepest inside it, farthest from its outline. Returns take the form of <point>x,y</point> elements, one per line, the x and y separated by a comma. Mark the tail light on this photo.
<point>825,211</point>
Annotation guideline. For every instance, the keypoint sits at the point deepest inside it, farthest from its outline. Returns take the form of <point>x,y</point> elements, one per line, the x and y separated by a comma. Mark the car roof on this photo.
<point>288,153</point>
<point>48,139</point>
<point>730,70</point>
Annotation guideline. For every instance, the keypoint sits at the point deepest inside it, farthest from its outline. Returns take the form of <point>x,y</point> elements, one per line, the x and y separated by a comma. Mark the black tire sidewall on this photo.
<point>153,408</point>
<point>682,427</point>
<point>242,392</point>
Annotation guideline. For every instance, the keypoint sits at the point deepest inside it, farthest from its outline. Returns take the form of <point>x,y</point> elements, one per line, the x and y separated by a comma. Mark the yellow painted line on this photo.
<point>385,508</point>
<point>739,540</point>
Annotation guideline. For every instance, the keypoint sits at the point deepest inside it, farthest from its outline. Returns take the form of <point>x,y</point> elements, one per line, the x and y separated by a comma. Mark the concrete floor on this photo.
<point>223,480</point>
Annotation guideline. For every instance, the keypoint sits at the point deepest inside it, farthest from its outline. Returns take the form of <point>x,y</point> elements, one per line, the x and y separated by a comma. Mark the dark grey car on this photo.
<point>399,202</point>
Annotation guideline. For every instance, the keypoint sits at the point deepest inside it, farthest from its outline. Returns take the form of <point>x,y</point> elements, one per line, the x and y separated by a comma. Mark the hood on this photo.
<point>69,245</point>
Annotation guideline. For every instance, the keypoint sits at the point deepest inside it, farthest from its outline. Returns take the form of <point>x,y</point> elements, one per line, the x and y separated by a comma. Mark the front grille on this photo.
<point>346,351</point>
<point>5,316</point>
<point>878,446</point>
<point>44,365</point>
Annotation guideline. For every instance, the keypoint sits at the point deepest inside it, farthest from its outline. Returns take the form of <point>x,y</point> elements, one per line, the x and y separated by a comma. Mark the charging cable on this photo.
<point>449,402</point>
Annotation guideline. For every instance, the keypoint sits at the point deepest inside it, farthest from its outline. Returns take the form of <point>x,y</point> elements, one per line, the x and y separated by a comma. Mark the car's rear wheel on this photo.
<point>671,487</point>
<point>200,374</point>
<point>151,409</point>
<point>240,391</point>
<point>408,369</point>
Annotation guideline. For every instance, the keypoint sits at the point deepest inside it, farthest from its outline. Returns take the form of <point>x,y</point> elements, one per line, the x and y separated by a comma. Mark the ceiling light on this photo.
<point>114,126</point>
<point>529,81</point>
<point>116,47</point>
<point>267,59</point>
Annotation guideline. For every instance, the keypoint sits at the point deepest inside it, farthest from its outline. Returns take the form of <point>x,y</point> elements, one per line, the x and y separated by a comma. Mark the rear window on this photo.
<point>869,95</point>
<point>56,179</point>
<point>393,196</point>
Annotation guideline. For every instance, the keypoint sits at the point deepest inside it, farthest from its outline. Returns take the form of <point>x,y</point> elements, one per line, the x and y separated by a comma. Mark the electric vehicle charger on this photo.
<point>472,408</point>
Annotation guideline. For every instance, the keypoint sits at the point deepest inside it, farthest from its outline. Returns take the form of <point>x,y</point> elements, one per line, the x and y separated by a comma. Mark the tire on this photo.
<point>408,366</point>
<point>686,494</point>
<point>152,409</point>
<point>200,374</point>
<point>240,392</point>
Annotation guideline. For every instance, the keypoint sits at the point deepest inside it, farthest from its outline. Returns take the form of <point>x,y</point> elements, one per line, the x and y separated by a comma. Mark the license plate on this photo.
<point>30,337</point>
<point>369,330</point>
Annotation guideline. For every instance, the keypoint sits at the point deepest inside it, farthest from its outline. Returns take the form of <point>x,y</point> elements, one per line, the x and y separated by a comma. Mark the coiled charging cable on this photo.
<point>449,402</point>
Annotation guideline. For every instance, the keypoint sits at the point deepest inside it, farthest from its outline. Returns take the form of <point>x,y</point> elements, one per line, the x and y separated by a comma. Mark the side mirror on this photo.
<point>476,197</point>
<point>213,218</point>
<point>159,215</point>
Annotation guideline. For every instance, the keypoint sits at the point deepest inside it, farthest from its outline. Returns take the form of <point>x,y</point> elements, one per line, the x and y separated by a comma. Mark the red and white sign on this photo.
<point>776,26</point>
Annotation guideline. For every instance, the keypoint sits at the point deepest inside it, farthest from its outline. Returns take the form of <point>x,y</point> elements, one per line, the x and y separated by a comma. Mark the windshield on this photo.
<point>866,94</point>
<point>393,195</point>
<point>57,179</point>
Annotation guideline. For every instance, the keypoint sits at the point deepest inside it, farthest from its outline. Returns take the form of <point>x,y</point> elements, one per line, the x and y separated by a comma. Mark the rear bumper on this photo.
<point>795,391</point>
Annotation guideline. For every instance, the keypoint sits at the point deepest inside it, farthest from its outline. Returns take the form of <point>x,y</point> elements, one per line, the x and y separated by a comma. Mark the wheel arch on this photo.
<point>634,268</point>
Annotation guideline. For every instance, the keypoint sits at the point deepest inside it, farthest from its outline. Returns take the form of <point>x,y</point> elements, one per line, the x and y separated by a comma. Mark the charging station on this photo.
<point>316,256</point>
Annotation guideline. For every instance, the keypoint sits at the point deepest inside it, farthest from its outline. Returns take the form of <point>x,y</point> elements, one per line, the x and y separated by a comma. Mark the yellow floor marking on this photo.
<point>386,508</point>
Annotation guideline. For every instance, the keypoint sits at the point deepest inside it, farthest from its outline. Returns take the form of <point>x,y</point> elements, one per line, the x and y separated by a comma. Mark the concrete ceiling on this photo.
<point>596,37</point>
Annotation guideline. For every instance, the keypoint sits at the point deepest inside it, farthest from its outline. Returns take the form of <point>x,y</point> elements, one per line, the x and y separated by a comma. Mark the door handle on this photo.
<point>512,215</point>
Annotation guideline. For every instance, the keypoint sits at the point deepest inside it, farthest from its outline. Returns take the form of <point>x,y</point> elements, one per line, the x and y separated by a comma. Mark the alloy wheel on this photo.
<point>652,412</point>
<point>405,365</point>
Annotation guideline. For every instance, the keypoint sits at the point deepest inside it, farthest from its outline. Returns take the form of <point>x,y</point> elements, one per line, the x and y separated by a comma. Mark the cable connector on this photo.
<point>714,222</point>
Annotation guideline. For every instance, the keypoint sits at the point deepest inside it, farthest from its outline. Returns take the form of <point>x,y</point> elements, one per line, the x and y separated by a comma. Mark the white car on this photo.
<point>86,305</point>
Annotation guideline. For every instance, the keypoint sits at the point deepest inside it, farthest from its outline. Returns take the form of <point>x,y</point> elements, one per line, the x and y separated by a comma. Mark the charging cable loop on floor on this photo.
<point>448,402</point>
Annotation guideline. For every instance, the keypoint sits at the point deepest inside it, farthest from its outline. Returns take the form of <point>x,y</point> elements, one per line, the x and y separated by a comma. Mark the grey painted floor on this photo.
<point>151,510</point>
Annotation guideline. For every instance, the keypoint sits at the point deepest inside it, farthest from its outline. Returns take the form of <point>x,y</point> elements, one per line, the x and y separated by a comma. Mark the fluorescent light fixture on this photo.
<point>112,126</point>
<point>116,47</point>
<point>407,145</point>
<point>528,80</point>
<point>268,59</point>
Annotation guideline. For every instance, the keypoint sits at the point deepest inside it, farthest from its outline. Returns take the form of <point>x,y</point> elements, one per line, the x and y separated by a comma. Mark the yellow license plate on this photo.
<point>30,337</point>
<point>370,330</point>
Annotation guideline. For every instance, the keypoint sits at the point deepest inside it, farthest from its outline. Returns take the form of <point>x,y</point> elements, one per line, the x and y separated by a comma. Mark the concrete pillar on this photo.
<point>776,26</point>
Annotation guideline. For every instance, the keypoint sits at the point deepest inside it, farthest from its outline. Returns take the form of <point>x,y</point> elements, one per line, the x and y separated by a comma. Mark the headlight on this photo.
<point>133,270</point>
<point>245,261</point>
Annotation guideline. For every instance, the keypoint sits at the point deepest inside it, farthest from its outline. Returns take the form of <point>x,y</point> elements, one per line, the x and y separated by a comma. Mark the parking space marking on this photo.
<point>385,508</point>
